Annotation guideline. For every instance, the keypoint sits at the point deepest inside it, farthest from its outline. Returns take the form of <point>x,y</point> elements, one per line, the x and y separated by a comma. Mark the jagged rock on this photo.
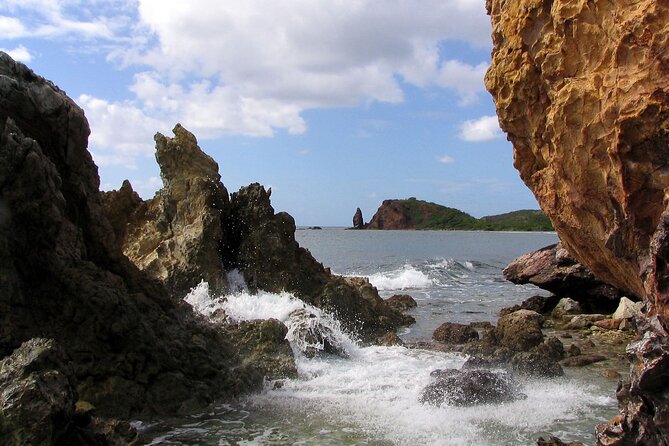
<point>454,333</point>
<point>266,252</point>
<point>401,302</point>
<point>470,388</point>
<point>582,91</point>
<point>358,222</point>
<point>553,269</point>
<point>177,236</point>
<point>133,350</point>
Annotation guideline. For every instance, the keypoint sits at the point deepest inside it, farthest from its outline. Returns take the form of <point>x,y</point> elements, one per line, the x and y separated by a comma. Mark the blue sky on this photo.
<point>335,104</point>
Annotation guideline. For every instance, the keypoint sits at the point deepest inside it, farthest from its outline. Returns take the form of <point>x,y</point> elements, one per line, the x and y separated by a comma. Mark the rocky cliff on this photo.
<point>419,214</point>
<point>581,89</point>
<point>133,350</point>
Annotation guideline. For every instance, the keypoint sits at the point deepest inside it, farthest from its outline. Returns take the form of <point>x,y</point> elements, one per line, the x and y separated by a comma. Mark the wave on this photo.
<point>406,278</point>
<point>310,329</point>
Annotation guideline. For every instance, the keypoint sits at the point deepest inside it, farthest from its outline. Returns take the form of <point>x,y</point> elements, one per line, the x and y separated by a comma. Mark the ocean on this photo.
<point>371,397</point>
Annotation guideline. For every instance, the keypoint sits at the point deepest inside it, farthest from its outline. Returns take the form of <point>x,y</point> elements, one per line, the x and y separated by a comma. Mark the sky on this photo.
<point>334,104</point>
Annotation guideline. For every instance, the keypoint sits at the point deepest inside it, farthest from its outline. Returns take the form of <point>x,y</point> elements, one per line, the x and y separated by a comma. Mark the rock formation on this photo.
<point>582,91</point>
<point>358,221</point>
<point>133,350</point>
<point>192,231</point>
<point>553,269</point>
<point>177,236</point>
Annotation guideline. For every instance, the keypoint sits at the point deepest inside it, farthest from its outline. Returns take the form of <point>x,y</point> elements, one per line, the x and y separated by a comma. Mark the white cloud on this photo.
<point>11,27</point>
<point>446,159</point>
<point>19,53</point>
<point>121,132</point>
<point>253,67</point>
<point>486,128</point>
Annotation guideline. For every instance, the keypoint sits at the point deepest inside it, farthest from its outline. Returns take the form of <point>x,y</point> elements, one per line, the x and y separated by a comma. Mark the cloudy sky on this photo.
<point>335,104</point>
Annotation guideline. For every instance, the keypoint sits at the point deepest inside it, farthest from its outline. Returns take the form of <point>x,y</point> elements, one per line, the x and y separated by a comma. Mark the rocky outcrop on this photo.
<point>177,236</point>
<point>470,388</point>
<point>553,269</point>
<point>192,231</point>
<point>419,214</point>
<point>358,221</point>
<point>133,350</point>
<point>581,89</point>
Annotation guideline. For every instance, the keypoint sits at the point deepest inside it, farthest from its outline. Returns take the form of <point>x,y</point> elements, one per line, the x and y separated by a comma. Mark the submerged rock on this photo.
<point>470,388</point>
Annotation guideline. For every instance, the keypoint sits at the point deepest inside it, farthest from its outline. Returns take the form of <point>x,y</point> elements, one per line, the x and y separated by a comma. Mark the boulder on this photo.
<point>567,307</point>
<point>454,333</point>
<point>470,388</point>
<point>582,91</point>
<point>628,309</point>
<point>541,360</point>
<point>553,269</point>
<point>540,304</point>
<point>401,302</point>
<point>358,222</point>
<point>520,331</point>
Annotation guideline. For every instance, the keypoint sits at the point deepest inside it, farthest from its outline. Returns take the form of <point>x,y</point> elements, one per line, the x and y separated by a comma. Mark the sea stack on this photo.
<point>582,92</point>
<point>358,222</point>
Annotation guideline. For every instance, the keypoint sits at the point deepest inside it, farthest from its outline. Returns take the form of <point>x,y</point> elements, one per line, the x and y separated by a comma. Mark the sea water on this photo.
<point>371,396</point>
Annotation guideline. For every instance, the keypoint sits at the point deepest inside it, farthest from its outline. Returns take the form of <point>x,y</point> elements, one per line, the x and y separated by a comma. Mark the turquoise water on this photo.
<point>372,397</point>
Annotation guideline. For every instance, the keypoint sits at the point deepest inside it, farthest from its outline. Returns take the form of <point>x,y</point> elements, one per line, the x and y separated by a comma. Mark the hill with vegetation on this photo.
<point>418,214</point>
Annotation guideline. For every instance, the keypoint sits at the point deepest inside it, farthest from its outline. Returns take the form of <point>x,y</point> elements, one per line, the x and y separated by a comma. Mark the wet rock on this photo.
<point>312,336</point>
<point>390,339</point>
<point>552,268</point>
<point>358,222</point>
<point>401,302</point>
<point>454,333</point>
<point>264,347</point>
<point>470,388</point>
<point>265,250</point>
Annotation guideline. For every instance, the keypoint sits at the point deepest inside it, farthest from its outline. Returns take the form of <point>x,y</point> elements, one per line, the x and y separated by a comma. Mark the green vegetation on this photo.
<point>525,220</point>
<point>427,215</point>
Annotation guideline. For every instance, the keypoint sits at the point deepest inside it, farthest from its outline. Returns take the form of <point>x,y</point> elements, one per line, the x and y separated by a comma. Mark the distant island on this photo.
<point>417,214</point>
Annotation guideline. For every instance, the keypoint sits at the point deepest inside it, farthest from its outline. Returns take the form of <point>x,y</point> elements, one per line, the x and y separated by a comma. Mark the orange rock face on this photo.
<point>582,91</point>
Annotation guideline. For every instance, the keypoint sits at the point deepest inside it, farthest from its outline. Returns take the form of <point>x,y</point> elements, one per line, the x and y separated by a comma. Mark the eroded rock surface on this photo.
<point>553,269</point>
<point>582,91</point>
